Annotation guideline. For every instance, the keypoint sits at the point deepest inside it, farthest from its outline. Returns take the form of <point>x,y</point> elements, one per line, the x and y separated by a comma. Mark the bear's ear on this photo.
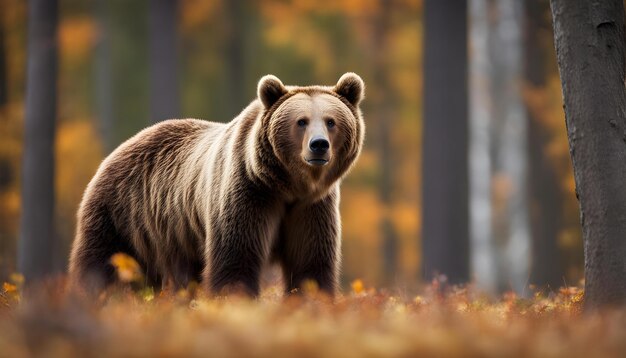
<point>351,87</point>
<point>270,89</point>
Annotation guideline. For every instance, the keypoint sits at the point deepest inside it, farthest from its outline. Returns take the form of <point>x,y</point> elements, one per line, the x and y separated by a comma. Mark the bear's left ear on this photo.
<point>351,87</point>
<point>270,89</point>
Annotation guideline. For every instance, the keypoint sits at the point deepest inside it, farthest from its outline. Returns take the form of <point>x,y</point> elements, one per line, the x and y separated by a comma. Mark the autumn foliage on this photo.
<point>363,321</point>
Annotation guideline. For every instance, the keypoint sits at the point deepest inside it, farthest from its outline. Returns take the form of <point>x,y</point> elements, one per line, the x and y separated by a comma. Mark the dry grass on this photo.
<point>359,323</point>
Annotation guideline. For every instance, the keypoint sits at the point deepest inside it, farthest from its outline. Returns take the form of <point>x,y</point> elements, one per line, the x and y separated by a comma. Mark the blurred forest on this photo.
<point>125,64</point>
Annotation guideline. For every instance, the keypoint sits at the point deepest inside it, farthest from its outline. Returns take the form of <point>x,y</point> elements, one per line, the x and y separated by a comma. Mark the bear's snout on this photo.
<point>318,147</point>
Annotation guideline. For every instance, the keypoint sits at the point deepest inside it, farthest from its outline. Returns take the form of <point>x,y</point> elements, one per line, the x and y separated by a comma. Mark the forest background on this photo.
<point>524,225</point>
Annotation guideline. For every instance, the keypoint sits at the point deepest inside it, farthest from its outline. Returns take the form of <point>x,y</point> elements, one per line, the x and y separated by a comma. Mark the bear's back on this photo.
<point>159,149</point>
<point>147,187</point>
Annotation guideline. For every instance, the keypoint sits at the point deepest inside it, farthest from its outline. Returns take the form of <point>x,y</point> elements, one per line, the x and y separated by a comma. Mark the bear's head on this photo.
<point>316,132</point>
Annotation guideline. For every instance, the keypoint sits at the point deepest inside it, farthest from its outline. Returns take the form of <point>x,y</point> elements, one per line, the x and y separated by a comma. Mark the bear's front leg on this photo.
<point>238,243</point>
<point>310,244</point>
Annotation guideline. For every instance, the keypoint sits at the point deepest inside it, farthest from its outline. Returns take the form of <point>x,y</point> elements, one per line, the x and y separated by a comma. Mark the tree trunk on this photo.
<point>545,199</point>
<point>384,118</point>
<point>6,243</point>
<point>508,144</point>
<point>445,165</point>
<point>164,93</point>
<point>128,35</point>
<point>37,237</point>
<point>104,80</point>
<point>589,38</point>
<point>483,255</point>
<point>545,214</point>
<point>235,58</point>
<point>4,86</point>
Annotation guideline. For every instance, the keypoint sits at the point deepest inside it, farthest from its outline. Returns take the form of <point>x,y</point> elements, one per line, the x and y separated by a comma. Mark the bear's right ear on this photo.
<point>270,89</point>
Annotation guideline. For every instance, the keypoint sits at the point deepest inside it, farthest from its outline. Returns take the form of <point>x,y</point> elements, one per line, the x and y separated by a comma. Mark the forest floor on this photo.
<point>360,322</point>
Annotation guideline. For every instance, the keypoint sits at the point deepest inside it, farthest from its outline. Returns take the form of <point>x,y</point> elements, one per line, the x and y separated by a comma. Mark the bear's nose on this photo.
<point>319,145</point>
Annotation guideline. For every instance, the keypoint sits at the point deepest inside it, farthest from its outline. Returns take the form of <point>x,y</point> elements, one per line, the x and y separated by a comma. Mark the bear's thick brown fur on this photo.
<point>212,202</point>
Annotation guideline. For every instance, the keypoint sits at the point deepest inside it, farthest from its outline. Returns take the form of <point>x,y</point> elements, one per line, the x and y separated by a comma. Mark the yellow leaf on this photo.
<point>11,291</point>
<point>147,294</point>
<point>579,297</point>
<point>310,287</point>
<point>128,270</point>
<point>357,286</point>
<point>9,288</point>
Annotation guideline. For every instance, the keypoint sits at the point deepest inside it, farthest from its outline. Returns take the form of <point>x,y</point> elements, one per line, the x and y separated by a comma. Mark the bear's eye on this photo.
<point>301,122</point>
<point>330,123</point>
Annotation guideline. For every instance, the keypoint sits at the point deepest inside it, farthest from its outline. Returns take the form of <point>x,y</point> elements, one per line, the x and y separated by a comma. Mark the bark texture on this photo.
<point>445,164</point>
<point>589,38</point>
<point>37,237</point>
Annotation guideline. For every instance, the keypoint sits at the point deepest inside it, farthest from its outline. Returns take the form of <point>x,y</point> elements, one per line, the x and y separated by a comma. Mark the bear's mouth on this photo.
<point>317,161</point>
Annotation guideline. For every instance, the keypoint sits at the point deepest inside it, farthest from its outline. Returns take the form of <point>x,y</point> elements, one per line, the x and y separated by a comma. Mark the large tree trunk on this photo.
<point>164,94</point>
<point>37,243</point>
<point>545,199</point>
<point>589,38</point>
<point>445,165</point>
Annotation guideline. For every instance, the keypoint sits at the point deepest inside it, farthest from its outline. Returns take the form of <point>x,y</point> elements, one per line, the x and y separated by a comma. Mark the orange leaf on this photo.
<point>128,270</point>
<point>9,288</point>
<point>357,286</point>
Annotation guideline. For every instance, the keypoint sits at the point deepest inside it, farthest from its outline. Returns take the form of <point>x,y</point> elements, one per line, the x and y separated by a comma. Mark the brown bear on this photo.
<point>212,202</point>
